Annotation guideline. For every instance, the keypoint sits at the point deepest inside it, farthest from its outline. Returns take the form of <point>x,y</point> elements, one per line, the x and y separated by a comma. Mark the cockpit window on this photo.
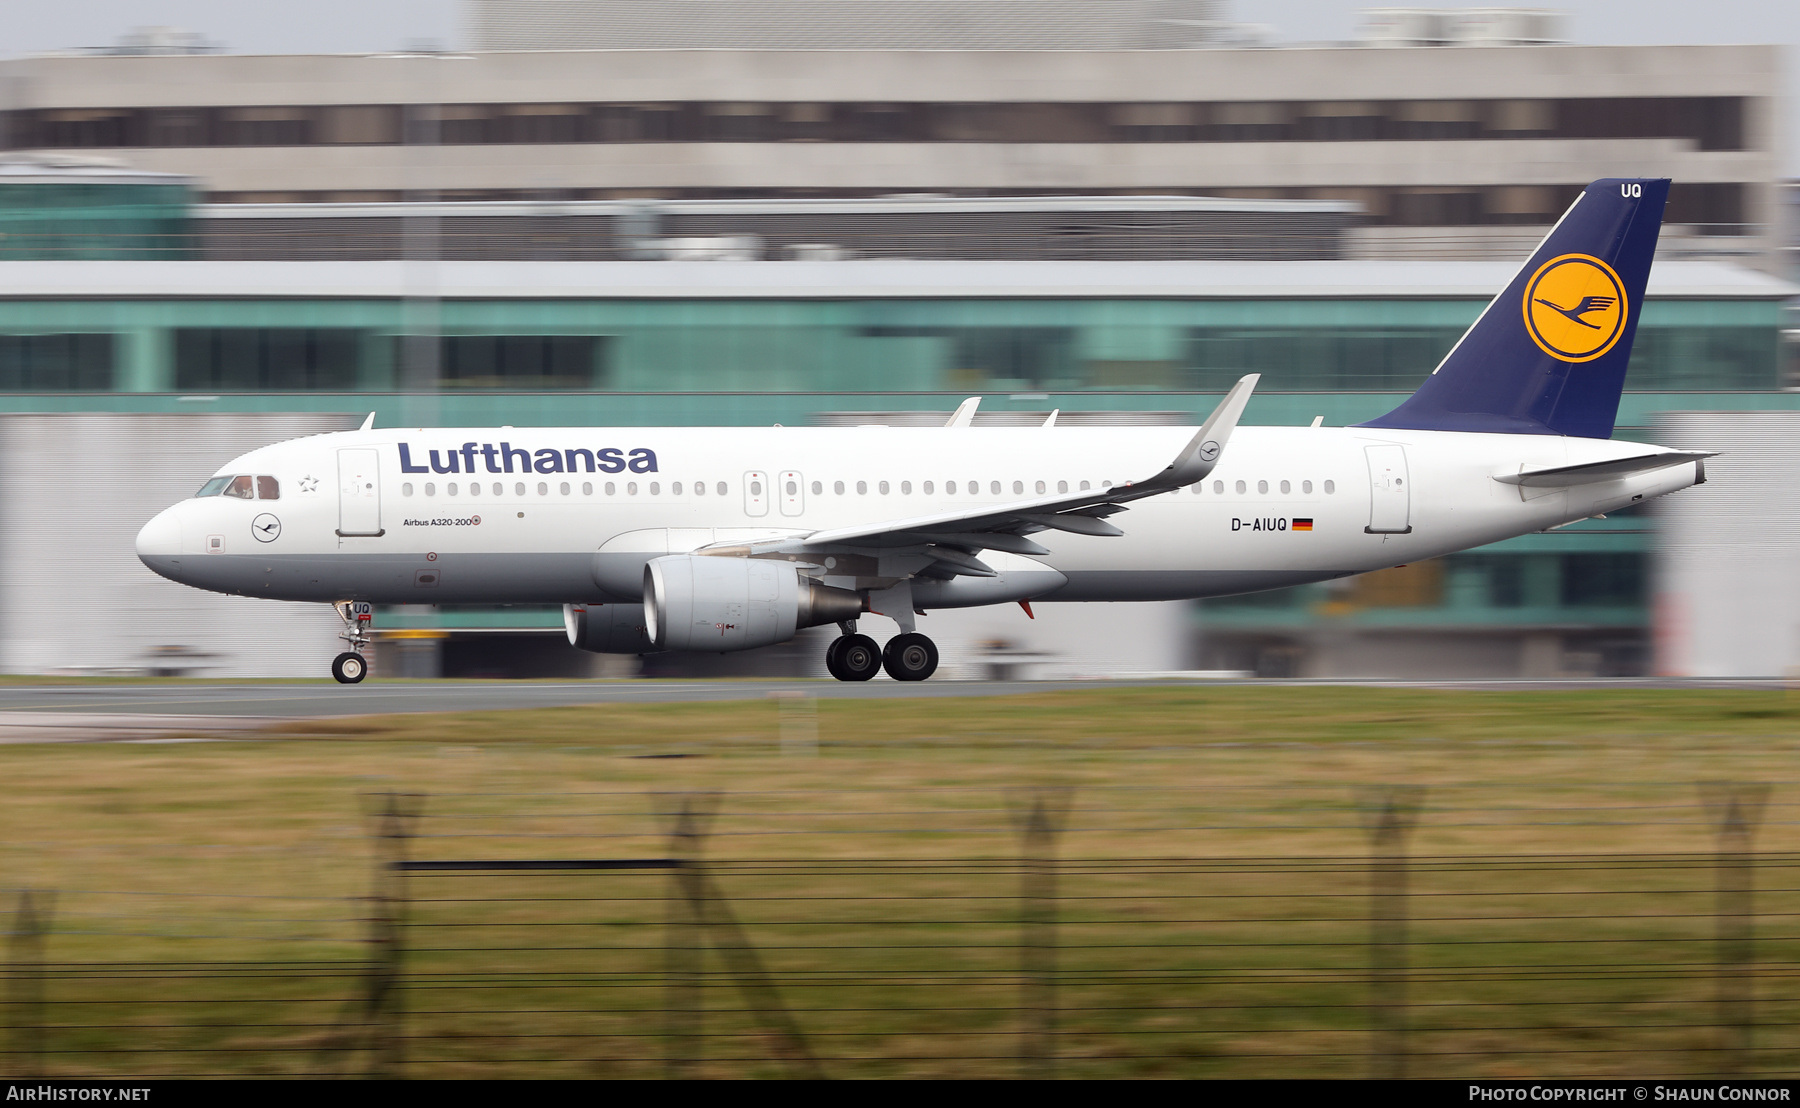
<point>243,486</point>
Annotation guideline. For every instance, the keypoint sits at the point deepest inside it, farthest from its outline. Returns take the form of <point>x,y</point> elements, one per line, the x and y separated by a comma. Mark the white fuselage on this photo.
<point>350,525</point>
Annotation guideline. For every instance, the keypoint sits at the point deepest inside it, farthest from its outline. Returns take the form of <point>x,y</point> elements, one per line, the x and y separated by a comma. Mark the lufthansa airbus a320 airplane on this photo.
<point>732,538</point>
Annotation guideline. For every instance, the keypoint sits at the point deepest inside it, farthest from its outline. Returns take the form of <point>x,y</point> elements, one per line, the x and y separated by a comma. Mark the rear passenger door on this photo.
<point>1390,500</point>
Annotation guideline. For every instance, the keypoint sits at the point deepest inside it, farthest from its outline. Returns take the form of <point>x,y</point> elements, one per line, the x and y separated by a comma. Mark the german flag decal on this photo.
<point>1301,525</point>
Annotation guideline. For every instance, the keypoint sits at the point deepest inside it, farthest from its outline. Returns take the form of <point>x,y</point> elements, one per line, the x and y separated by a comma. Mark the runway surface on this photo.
<point>102,712</point>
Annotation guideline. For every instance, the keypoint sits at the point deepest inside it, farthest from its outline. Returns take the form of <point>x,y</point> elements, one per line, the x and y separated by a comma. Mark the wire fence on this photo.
<point>705,935</point>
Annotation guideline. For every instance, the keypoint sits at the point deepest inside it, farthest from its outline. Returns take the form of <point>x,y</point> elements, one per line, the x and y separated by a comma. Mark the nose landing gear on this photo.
<point>351,666</point>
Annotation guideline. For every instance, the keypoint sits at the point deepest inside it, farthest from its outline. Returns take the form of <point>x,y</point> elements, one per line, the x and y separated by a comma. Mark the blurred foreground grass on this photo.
<point>1214,889</point>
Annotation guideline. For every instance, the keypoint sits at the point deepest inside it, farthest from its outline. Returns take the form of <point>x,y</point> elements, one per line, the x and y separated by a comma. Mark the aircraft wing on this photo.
<point>1005,526</point>
<point>1564,476</point>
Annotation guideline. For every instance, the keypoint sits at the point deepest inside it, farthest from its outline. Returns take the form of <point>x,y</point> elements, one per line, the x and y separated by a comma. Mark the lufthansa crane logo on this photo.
<point>1575,308</point>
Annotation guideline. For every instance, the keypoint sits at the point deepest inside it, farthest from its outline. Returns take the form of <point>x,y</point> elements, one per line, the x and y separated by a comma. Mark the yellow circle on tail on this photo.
<point>1575,307</point>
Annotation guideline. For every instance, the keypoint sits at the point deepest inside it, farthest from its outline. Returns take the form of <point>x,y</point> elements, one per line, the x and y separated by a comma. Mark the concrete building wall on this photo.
<point>998,167</point>
<point>890,76</point>
<point>1727,591</point>
<point>73,596</point>
<point>350,160</point>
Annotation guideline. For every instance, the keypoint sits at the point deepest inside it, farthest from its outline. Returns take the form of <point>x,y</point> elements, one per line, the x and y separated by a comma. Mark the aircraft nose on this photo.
<point>160,538</point>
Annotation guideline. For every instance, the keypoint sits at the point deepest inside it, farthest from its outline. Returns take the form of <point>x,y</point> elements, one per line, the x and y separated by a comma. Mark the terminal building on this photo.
<point>1457,135</point>
<point>206,252</point>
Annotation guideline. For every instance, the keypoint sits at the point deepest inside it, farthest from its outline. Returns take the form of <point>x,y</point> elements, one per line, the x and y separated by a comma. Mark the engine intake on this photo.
<point>725,604</point>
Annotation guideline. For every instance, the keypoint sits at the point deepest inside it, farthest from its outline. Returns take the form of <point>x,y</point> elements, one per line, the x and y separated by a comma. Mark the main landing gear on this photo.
<point>854,657</point>
<point>352,665</point>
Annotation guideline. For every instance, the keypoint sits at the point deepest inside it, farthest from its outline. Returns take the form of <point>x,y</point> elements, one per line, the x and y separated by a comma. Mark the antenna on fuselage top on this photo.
<point>368,424</point>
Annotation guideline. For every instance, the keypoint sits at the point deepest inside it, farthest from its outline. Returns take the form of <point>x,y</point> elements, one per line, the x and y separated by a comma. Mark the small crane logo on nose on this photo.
<point>266,528</point>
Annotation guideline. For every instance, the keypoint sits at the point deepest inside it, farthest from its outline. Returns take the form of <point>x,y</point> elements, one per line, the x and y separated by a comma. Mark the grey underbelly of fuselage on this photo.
<point>568,578</point>
<point>393,578</point>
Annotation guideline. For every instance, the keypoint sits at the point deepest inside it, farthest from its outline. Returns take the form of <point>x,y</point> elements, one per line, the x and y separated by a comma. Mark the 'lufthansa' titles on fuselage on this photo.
<point>507,458</point>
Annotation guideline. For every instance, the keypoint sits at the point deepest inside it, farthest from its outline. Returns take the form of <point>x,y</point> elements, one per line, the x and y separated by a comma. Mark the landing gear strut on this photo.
<point>352,666</point>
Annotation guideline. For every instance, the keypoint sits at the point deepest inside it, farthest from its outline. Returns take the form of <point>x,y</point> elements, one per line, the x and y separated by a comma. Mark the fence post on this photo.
<point>797,714</point>
<point>392,817</point>
<point>1039,816</point>
<point>1736,810</point>
<point>25,981</point>
<point>1389,814</point>
<point>683,1007</point>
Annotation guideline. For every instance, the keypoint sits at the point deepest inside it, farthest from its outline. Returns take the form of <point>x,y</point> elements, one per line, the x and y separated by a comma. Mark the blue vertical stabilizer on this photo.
<point>1548,355</point>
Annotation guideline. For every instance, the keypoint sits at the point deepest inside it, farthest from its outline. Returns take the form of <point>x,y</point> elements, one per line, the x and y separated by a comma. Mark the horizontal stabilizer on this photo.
<point>1564,476</point>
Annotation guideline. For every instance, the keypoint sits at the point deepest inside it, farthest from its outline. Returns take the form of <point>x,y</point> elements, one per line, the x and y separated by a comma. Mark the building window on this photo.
<point>253,359</point>
<point>525,362</point>
<point>56,363</point>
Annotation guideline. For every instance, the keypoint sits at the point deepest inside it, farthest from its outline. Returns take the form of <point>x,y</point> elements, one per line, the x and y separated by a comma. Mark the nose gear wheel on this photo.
<point>349,667</point>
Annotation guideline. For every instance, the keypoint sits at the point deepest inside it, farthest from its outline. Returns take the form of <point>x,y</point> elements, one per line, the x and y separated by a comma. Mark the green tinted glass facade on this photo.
<point>83,220</point>
<point>848,346</point>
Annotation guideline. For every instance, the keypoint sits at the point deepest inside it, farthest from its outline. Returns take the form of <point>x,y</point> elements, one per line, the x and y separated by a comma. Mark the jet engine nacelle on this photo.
<point>723,604</point>
<point>608,628</point>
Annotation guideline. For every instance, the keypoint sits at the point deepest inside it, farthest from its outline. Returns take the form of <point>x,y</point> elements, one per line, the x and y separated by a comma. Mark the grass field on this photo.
<point>1213,889</point>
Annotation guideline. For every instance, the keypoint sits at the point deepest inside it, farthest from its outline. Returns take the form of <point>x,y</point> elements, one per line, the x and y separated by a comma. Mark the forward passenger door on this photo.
<point>359,492</point>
